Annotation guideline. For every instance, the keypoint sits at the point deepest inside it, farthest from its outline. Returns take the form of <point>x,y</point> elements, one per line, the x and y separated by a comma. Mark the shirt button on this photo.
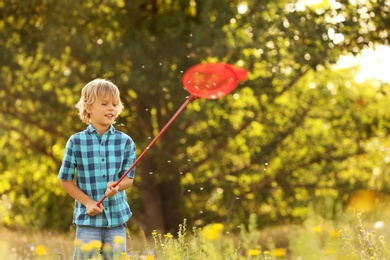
<point>102,159</point>
<point>104,176</point>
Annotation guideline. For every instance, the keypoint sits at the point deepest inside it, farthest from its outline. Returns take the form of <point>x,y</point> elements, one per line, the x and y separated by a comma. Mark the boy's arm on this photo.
<point>74,191</point>
<point>124,184</point>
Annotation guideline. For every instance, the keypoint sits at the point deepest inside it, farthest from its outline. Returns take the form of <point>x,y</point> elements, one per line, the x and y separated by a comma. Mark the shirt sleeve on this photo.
<point>68,165</point>
<point>130,157</point>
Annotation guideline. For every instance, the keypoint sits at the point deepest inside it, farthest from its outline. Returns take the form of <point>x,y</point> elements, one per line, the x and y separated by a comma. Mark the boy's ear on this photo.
<point>88,109</point>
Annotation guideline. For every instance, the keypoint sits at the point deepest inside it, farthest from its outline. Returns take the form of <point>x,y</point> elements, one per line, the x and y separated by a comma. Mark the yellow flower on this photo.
<point>279,252</point>
<point>212,231</point>
<point>149,257</point>
<point>168,235</point>
<point>86,247</point>
<point>40,250</point>
<point>154,233</point>
<point>123,256</point>
<point>363,201</point>
<point>118,240</point>
<point>317,229</point>
<point>334,233</point>
<point>96,244</point>
<point>253,252</point>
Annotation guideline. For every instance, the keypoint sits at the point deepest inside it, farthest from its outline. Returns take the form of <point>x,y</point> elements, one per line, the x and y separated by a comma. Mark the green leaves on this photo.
<point>294,132</point>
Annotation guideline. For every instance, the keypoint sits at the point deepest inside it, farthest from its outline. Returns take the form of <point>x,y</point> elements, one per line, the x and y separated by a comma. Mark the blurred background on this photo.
<point>307,132</point>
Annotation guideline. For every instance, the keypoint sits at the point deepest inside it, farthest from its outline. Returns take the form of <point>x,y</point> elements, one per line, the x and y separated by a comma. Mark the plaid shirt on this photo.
<point>92,161</point>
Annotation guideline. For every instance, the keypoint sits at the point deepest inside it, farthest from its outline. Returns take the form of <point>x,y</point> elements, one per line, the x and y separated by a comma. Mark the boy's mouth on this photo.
<point>110,115</point>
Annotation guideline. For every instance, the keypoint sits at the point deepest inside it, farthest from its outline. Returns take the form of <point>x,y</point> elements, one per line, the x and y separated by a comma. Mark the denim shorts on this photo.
<point>108,237</point>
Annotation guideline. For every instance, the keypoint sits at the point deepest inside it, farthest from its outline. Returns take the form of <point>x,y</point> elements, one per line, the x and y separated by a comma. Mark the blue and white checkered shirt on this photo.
<point>92,161</point>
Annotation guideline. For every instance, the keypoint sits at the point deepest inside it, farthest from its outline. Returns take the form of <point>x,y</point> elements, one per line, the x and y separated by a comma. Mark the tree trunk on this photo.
<point>171,196</point>
<point>151,199</point>
<point>161,197</point>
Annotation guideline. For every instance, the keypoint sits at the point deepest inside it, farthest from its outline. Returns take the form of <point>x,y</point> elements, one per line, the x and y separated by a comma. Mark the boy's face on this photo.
<point>103,111</point>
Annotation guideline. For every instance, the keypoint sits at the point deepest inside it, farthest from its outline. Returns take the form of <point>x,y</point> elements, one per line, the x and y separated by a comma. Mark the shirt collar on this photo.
<point>92,129</point>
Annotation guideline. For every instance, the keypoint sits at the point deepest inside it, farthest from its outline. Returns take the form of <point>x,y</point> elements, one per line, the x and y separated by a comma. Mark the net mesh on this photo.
<point>212,80</point>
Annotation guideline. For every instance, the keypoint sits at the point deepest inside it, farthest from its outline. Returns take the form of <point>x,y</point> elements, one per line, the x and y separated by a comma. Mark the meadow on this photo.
<point>356,236</point>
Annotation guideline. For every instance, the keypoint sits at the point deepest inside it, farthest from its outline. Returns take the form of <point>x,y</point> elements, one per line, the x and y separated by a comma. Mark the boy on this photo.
<point>94,160</point>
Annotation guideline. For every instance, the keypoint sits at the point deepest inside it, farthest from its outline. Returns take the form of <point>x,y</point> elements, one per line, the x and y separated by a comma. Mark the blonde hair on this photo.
<point>96,90</point>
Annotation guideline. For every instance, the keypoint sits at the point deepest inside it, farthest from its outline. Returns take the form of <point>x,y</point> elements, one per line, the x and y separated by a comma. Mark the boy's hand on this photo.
<point>111,191</point>
<point>93,209</point>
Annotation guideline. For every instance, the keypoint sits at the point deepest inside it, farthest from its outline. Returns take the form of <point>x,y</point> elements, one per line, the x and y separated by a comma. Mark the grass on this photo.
<point>353,238</point>
<point>27,245</point>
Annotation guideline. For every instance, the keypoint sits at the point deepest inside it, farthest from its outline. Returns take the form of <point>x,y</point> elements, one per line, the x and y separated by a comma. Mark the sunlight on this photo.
<point>242,8</point>
<point>373,64</point>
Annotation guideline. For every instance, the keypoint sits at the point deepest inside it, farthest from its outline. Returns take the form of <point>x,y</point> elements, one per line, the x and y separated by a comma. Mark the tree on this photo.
<point>262,149</point>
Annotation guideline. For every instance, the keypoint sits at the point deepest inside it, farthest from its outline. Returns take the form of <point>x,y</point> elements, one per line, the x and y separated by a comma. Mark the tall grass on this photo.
<point>352,238</point>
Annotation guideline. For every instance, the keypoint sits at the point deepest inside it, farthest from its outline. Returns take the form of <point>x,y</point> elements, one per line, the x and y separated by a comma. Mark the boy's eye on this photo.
<point>107,103</point>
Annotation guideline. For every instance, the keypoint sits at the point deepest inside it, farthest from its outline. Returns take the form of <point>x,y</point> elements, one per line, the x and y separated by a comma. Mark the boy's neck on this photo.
<point>101,129</point>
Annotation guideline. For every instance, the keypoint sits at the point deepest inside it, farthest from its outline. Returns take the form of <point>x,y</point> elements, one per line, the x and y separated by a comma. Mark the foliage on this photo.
<point>297,132</point>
